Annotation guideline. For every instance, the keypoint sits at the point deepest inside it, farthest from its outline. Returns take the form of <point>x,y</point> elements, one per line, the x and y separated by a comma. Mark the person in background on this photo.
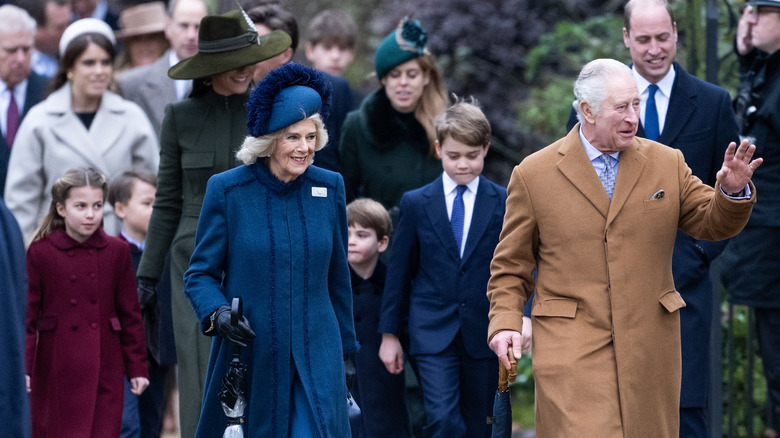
<point>84,329</point>
<point>595,216</point>
<point>198,139</point>
<point>14,404</point>
<point>97,9</point>
<point>269,17</point>
<point>131,194</point>
<point>387,145</point>
<point>52,18</point>
<point>20,87</point>
<point>694,116</point>
<point>142,35</point>
<point>80,124</point>
<point>380,394</point>
<point>751,267</point>
<point>331,41</point>
<point>149,86</point>
<point>449,226</point>
<point>274,232</point>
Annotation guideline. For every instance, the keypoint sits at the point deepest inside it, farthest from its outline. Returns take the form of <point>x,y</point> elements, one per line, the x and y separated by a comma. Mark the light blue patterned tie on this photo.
<point>458,216</point>
<point>607,176</point>
<point>652,131</point>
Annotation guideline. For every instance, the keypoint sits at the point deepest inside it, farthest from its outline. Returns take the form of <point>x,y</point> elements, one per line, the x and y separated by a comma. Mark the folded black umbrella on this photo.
<point>233,391</point>
<point>502,406</point>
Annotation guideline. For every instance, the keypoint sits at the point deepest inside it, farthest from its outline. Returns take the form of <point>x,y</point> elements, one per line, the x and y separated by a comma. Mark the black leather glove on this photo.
<point>147,292</point>
<point>238,334</point>
<point>349,371</point>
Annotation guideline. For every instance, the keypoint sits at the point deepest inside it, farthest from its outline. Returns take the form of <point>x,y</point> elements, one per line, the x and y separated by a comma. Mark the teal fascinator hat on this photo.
<point>405,43</point>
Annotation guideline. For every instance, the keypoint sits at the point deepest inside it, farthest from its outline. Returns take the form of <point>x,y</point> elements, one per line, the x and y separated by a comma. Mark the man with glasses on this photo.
<point>751,260</point>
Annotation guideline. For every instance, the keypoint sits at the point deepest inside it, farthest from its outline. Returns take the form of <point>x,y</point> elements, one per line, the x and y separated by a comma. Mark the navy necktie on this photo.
<point>652,131</point>
<point>458,216</point>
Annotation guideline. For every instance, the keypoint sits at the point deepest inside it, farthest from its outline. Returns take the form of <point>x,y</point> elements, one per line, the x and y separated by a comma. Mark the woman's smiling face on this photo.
<point>294,150</point>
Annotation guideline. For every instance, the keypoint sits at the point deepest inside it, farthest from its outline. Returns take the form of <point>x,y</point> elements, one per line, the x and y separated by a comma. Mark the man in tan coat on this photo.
<point>606,350</point>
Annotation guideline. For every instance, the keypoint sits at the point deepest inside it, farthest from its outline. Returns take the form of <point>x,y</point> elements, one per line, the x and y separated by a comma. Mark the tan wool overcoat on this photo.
<point>606,348</point>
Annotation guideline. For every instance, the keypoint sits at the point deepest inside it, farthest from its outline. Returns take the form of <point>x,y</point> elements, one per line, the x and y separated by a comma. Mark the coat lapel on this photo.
<point>485,201</point>
<point>436,209</point>
<point>577,168</point>
<point>681,107</point>
<point>632,163</point>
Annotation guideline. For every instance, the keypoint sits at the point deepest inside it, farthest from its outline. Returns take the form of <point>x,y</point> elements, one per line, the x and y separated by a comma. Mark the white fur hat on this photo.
<point>85,25</point>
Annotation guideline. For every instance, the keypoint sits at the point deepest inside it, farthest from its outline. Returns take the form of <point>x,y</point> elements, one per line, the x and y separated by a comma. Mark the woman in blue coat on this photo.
<point>274,232</point>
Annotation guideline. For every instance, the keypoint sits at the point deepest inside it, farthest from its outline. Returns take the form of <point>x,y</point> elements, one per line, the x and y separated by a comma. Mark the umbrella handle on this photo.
<point>236,311</point>
<point>507,375</point>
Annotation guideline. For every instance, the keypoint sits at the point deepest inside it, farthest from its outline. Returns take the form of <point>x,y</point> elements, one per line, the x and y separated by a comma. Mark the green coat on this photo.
<point>199,138</point>
<point>384,153</point>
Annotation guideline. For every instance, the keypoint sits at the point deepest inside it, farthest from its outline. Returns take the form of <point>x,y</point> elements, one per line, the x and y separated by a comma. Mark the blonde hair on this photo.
<point>368,213</point>
<point>257,147</point>
<point>60,192</point>
<point>433,101</point>
<point>465,122</point>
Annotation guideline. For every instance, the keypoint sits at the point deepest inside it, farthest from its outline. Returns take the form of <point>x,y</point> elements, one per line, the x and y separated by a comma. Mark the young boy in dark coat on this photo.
<point>438,273</point>
<point>380,394</point>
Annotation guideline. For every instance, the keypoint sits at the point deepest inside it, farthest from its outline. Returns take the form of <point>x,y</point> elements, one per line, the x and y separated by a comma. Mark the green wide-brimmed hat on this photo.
<point>405,43</point>
<point>227,42</point>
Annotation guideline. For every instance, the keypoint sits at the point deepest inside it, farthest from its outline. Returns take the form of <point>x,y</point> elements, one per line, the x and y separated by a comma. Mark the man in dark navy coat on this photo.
<point>17,36</point>
<point>696,117</point>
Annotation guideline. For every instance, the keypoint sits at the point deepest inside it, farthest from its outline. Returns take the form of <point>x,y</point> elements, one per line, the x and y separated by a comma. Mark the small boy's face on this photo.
<point>136,213</point>
<point>460,161</point>
<point>328,57</point>
<point>364,247</point>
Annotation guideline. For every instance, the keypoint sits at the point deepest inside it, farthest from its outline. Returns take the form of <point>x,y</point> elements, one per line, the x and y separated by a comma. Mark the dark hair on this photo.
<point>274,17</point>
<point>368,213</point>
<point>630,8</point>
<point>76,48</point>
<point>465,122</point>
<point>60,192</point>
<point>333,27</point>
<point>121,188</point>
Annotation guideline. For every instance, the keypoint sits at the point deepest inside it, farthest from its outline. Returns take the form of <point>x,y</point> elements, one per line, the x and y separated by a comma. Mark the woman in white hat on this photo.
<point>80,124</point>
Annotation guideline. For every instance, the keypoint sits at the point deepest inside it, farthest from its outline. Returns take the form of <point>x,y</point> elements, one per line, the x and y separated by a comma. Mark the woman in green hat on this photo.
<point>198,139</point>
<point>387,145</point>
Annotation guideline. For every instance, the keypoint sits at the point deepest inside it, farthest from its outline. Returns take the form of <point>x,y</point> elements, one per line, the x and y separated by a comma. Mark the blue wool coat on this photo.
<point>281,247</point>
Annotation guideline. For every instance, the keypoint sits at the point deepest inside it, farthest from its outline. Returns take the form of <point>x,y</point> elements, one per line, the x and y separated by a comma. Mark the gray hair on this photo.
<point>173,3</point>
<point>14,19</point>
<point>263,146</point>
<point>591,84</point>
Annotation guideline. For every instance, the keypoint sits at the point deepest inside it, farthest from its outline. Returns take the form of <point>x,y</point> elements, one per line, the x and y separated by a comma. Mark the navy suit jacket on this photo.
<point>445,293</point>
<point>700,122</point>
<point>36,89</point>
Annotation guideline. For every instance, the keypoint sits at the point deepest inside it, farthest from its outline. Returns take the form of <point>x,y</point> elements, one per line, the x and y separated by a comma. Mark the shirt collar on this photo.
<point>591,150</point>
<point>450,184</point>
<point>130,240</point>
<point>664,85</point>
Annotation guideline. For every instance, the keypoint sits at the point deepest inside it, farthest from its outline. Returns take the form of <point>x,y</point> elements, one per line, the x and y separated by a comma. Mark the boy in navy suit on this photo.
<point>380,395</point>
<point>437,275</point>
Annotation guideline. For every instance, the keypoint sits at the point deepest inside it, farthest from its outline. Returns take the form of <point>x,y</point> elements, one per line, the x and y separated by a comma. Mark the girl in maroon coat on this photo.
<point>84,329</point>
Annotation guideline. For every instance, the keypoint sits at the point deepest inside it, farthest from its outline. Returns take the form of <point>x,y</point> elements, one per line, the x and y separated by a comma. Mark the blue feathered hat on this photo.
<point>286,96</point>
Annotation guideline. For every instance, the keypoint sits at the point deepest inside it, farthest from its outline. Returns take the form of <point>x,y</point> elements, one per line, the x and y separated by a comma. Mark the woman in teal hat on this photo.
<point>274,232</point>
<point>387,145</point>
<point>198,139</point>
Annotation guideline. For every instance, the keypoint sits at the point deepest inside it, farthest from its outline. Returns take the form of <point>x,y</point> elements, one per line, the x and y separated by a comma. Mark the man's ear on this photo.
<point>287,55</point>
<point>587,112</point>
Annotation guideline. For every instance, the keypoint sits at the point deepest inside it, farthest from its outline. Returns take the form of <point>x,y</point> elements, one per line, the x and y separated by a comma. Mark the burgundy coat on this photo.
<point>84,333</point>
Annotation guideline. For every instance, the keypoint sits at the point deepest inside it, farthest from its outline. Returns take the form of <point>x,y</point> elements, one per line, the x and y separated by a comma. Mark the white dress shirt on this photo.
<point>662,96</point>
<point>469,196</point>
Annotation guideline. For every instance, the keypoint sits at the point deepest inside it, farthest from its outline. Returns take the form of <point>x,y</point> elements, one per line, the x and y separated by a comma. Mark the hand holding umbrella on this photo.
<point>502,406</point>
<point>233,392</point>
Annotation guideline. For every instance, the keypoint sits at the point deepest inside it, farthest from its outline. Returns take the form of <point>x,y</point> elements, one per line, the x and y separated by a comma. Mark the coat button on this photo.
<point>358,318</point>
<point>93,325</point>
<point>92,275</point>
<point>73,301</point>
<point>93,300</point>
<point>71,254</point>
<point>72,278</point>
<point>74,327</point>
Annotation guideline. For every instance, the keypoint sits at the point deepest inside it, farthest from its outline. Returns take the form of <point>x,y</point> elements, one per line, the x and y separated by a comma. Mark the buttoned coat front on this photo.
<point>606,351</point>
<point>282,248</point>
<point>52,140</point>
<point>84,334</point>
